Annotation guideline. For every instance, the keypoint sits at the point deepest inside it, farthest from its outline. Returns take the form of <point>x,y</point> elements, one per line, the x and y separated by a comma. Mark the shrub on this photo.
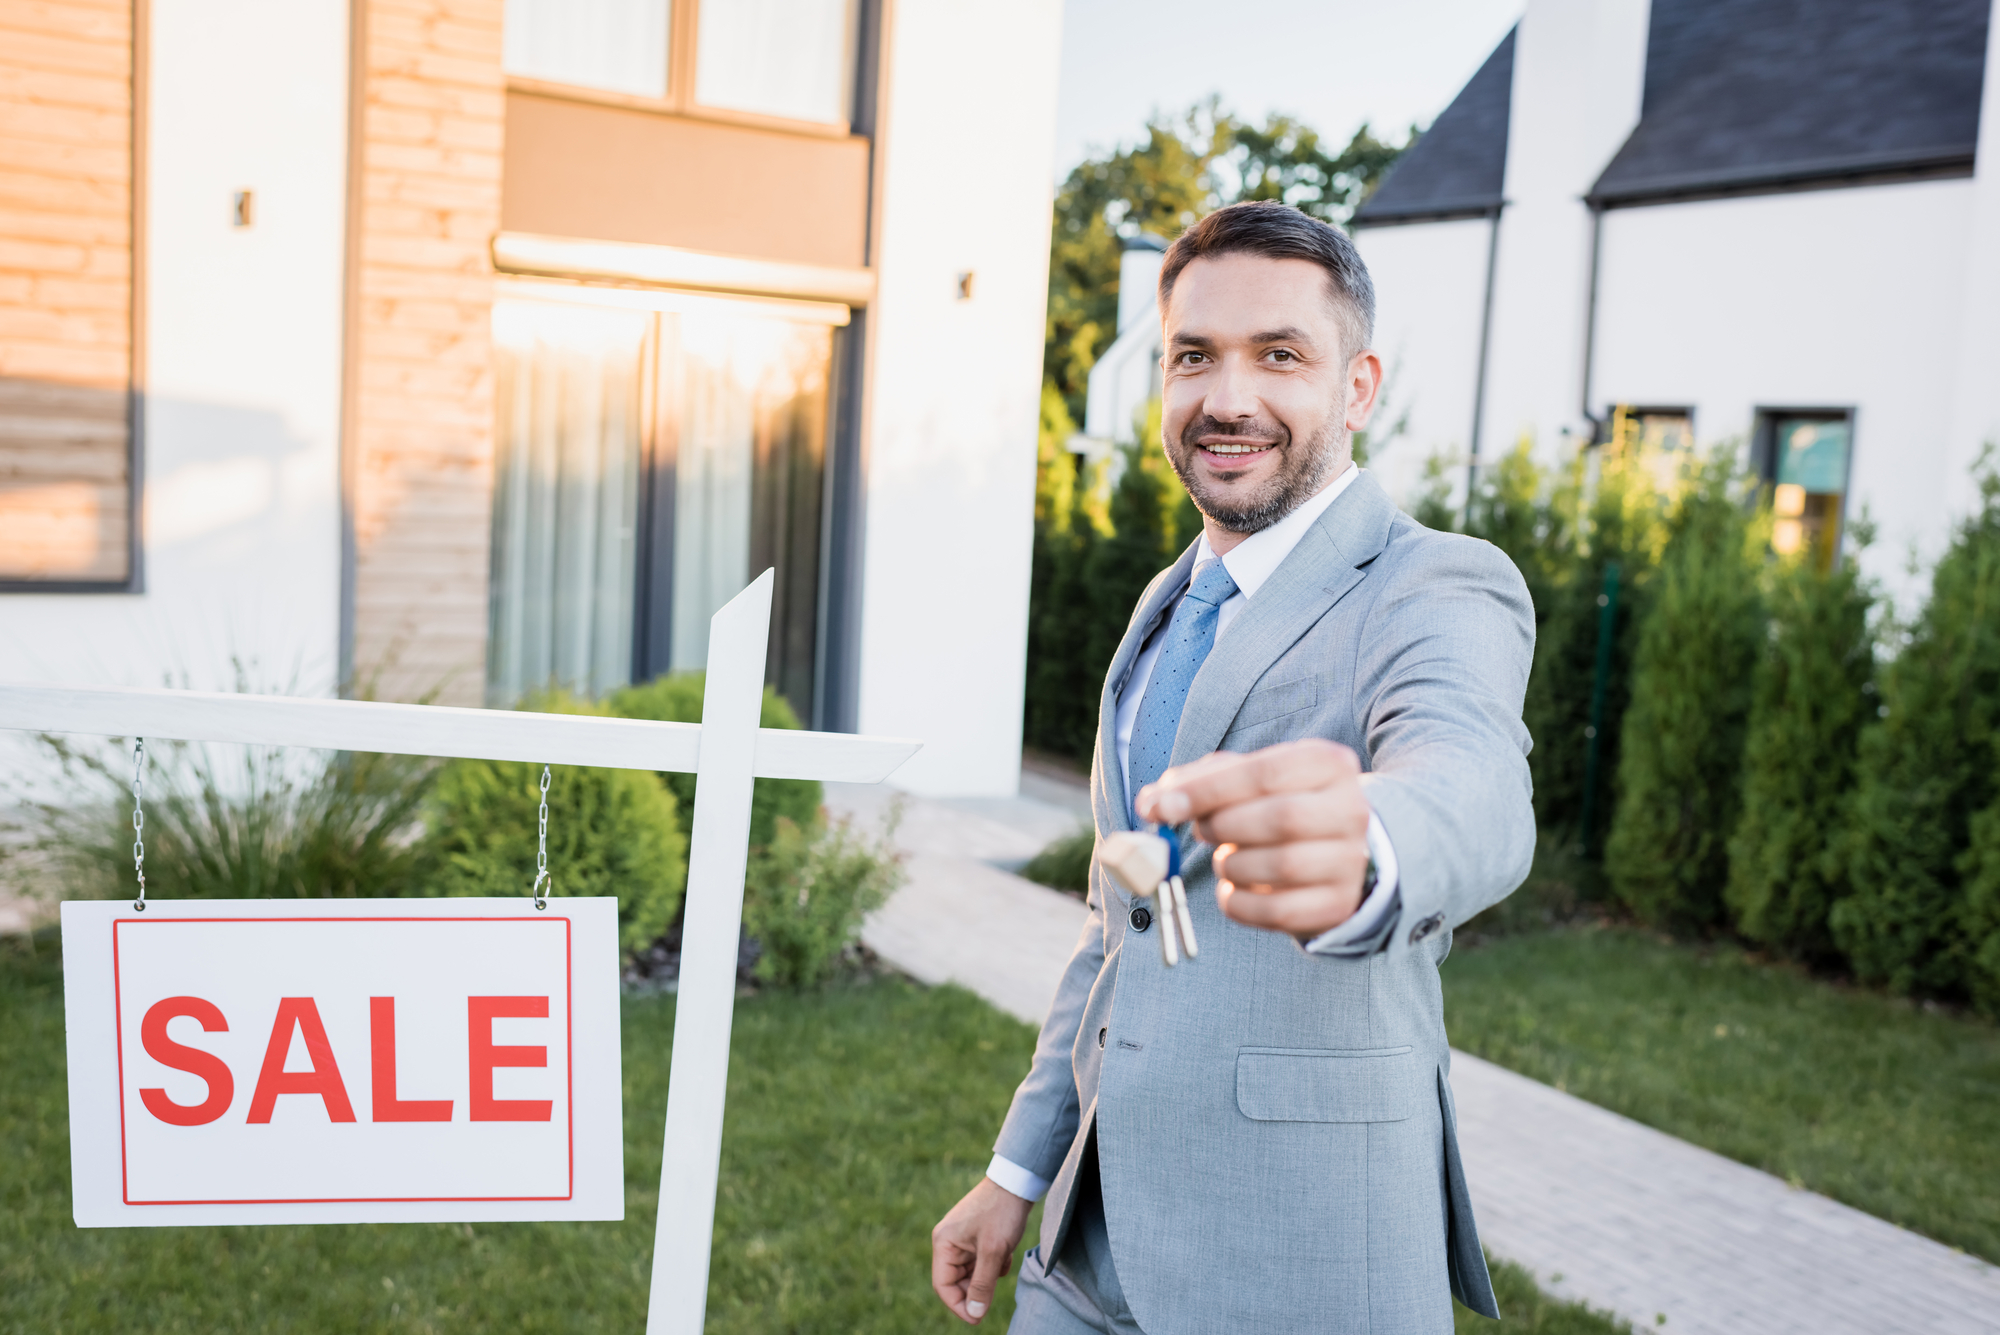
<point>677,699</point>
<point>611,832</point>
<point>806,894</point>
<point>1061,704</point>
<point>1681,766</point>
<point>1926,768</point>
<point>1065,863</point>
<point>266,823</point>
<point>1813,692</point>
<point>1622,523</point>
<point>1980,866</point>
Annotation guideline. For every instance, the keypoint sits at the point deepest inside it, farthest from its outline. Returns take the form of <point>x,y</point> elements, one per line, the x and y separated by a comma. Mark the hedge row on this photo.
<point>1756,769</point>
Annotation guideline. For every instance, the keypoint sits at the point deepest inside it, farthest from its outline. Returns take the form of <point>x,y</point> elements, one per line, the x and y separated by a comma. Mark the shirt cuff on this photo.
<point>1374,909</point>
<point>1010,1176</point>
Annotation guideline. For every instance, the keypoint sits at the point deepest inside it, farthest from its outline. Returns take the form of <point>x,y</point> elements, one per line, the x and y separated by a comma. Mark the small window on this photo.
<point>616,45</point>
<point>1804,457</point>
<point>65,486</point>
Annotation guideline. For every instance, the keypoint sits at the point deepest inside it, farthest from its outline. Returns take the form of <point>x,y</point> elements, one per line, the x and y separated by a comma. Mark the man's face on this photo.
<point>1260,402</point>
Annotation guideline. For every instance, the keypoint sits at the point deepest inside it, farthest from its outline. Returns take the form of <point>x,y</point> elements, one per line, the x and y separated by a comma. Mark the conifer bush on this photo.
<point>1926,768</point>
<point>677,699</point>
<point>611,832</point>
<point>1061,704</point>
<point>1680,765</point>
<point>1617,518</point>
<point>1813,693</point>
<point>1980,866</point>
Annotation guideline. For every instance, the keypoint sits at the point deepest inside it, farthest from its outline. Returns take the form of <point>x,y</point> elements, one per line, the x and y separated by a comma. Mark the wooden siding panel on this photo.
<point>421,434</point>
<point>65,289</point>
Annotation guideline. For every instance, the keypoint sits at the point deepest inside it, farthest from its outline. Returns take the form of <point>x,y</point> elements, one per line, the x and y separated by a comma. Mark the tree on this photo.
<point>1184,167</point>
<point>1814,691</point>
<point>1681,763</point>
<point>1926,768</point>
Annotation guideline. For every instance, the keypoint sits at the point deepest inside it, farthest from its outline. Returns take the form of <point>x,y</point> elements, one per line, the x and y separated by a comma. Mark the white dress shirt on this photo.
<point>1251,563</point>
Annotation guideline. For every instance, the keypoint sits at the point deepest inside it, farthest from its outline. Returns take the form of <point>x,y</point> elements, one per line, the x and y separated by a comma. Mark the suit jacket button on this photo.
<point>1142,918</point>
<point>1426,927</point>
<point>1100,1035</point>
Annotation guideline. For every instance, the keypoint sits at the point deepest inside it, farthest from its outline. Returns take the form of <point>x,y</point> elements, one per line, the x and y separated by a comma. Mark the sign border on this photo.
<point>569,1059</point>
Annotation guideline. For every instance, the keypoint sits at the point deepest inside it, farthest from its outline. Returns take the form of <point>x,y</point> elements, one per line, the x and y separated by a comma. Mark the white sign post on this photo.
<point>366,1027</point>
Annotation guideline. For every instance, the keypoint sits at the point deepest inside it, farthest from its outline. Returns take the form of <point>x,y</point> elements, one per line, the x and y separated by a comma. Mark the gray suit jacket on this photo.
<point>1274,1129</point>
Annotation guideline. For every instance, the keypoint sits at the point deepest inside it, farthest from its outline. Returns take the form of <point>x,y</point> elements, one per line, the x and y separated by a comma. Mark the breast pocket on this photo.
<point>1268,703</point>
<point>1326,1085</point>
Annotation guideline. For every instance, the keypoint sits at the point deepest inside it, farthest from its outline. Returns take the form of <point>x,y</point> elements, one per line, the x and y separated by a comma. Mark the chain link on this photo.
<point>139,819</point>
<point>540,890</point>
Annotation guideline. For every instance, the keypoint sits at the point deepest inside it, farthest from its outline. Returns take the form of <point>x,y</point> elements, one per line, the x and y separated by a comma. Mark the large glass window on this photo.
<point>618,45</point>
<point>788,58</point>
<point>1806,464</point>
<point>568,385</point>
<point>651,462</point>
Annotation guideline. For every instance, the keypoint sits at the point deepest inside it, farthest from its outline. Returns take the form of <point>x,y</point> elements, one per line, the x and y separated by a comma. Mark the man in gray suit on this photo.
<point>1323,698</point>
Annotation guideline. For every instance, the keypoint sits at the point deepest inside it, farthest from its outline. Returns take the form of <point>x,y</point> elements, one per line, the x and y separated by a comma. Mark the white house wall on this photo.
<point>1430,286</point>
<point>240,436</point>
<point>1579,70</point>
<point>955,386</point>
<point>1835,298</point>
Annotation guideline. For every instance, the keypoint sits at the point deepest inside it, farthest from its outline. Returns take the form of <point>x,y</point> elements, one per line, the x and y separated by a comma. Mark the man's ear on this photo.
<point>1364,387</point>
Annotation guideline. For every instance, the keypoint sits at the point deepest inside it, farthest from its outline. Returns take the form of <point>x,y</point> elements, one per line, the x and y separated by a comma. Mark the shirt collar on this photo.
<point>1256,558</point>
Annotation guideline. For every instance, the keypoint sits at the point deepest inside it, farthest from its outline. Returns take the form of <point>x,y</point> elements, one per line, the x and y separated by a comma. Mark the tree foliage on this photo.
<point>1184,166</point>
<point>1681,758</point>
<point>1920,888</point>
<point>1813,693</point>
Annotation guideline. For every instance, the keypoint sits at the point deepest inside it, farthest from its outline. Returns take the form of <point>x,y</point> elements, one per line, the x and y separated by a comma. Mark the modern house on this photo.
<point>1765,221</point>
<point>448,348</point>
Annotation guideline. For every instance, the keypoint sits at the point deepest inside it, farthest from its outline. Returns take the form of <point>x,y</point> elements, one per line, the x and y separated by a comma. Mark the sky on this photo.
<point>1331,63</point>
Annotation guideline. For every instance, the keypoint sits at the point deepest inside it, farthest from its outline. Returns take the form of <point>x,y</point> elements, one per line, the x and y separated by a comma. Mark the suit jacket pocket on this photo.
<point>1326,1085</point>
<point>1271,702</point>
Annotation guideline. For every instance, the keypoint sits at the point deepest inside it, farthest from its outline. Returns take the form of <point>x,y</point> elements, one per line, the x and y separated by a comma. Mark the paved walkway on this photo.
<point>1600,1208</point>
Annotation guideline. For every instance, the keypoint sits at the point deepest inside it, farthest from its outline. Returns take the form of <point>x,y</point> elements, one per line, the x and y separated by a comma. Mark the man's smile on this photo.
<point>1235,452</point>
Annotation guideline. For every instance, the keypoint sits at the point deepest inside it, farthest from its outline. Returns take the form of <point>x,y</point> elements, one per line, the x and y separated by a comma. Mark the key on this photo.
<point>1146,865</point>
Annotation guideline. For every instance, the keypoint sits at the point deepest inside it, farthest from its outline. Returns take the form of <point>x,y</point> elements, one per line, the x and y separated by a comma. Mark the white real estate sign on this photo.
<point>342,1061</point>
<point>341,1031</point>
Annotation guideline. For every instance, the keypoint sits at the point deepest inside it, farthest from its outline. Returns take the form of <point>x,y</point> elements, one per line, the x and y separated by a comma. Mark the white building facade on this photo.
<point>1742,220</point>
<point>479,344</point>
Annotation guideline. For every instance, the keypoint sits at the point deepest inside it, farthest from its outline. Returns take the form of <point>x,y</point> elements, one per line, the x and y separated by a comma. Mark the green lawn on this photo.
<point>1877,1102</point>
<point>857,1115</point>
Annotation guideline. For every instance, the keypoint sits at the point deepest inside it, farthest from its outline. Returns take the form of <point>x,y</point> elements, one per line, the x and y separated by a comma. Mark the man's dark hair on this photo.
<point>1281,232</point>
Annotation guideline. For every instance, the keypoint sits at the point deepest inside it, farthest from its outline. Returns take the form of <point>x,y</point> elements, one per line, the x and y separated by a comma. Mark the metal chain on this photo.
<point>542,852</point>
<point>139,819</point>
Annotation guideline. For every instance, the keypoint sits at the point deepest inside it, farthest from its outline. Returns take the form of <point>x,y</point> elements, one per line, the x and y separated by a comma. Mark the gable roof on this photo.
<point>1742,94</point>
<point>1459,166</point>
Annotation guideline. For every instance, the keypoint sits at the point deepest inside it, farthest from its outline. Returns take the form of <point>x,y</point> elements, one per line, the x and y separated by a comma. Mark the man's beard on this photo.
<point>1302,471</point>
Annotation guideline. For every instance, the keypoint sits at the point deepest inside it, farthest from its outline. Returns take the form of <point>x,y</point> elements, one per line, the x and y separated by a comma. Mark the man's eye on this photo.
<point>1190,358</point>
<point>1283,355</point>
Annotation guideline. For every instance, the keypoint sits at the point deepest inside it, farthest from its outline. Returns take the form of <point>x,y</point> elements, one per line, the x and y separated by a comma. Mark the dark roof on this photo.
<point>1748,93</point>
<point>1460,164</point>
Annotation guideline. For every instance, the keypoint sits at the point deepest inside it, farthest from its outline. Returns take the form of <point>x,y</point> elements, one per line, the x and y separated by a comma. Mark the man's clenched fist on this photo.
<point>973,1246</point>
<point>1290,828</point>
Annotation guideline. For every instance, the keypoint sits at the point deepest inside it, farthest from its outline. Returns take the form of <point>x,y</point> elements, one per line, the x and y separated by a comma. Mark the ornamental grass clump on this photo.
<point>227,822</point>
<point>1814,691</point>
<point>611,832</point>
<point>1918,914</point>
<point>1681,762</point>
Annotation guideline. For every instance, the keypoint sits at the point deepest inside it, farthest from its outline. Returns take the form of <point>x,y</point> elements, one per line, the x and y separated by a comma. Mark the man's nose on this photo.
<point>1232,393</point>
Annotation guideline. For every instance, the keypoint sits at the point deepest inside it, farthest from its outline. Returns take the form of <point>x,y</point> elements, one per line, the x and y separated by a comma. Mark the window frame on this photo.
<point>1764,456</point>
<point>683,24</point>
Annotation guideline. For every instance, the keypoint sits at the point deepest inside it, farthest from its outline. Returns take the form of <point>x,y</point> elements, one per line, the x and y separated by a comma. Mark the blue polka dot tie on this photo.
<point>1189,637</point>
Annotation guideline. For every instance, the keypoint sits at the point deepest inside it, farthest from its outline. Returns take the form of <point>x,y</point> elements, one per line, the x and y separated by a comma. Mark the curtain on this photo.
<point>568,393</point>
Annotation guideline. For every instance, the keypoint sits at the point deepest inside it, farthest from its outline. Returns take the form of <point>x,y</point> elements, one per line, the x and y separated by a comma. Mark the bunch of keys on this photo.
<point>1146,863</point>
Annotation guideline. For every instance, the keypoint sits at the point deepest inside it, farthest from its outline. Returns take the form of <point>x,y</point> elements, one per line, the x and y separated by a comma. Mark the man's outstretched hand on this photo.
<point>1290,829</point>
<point>973,1246</point>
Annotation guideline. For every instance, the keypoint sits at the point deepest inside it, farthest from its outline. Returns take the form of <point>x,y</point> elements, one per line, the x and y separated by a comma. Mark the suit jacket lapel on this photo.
<point>1109,802</point>
<point>1327,562</point>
